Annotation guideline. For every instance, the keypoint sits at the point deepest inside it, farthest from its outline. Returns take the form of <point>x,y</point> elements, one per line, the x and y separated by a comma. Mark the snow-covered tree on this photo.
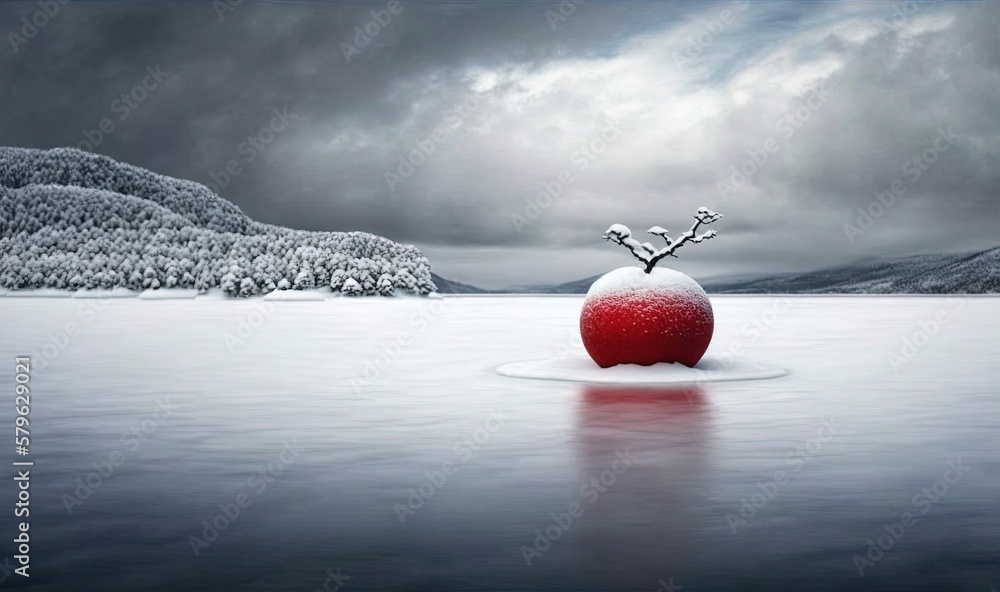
<point>351,287</point>
<point>304,280</point>
<point>385,286</point>
<point>248,287</point>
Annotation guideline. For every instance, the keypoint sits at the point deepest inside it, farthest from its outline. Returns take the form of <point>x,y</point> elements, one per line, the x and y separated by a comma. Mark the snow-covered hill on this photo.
<point>966,273</point>
<point>70,219</point>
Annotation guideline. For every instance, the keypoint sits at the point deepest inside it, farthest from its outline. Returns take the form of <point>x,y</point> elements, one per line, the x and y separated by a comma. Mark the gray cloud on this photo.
<point>690,89</point>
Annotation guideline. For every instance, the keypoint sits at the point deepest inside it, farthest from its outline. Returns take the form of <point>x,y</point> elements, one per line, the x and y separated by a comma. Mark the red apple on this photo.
<point>631,317</point>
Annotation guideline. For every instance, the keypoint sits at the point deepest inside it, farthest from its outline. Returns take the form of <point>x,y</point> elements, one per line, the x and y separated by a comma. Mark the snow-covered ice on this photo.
<point>379,392</point>
<point>296,296</point>
<point>40,293</point>
<point>169,294</point>
<point>112,293</point>
<point>583,369</point>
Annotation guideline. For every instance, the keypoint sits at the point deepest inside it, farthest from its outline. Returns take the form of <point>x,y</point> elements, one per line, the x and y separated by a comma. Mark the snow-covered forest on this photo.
<point>73,220</point>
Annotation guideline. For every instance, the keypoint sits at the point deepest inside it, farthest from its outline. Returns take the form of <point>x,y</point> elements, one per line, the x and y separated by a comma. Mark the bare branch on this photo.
<point>648,254</point>
<point>620,234</point>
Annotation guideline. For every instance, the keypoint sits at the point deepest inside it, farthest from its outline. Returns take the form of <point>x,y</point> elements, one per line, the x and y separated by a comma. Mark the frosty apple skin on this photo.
<point>631,317</point>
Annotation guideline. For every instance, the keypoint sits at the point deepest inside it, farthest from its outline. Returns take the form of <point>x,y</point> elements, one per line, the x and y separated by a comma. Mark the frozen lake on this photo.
<point>405,462</point>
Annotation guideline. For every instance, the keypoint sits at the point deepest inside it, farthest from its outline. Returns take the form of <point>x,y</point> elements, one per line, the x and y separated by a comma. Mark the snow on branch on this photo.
<point>647,253</point>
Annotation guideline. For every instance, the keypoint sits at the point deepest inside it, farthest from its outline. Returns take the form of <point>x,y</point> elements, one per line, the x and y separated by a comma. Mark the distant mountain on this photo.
<point>574,287</point>
<point>449,287</point>
<point>966,273</point>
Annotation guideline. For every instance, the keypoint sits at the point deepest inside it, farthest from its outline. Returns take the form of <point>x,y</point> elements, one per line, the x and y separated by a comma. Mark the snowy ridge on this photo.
<point>964,273</point>
<point>21,167</point>
<point>73,220</point>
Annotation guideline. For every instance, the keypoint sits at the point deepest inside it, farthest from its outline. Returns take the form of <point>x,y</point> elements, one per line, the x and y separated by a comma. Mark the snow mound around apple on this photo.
<point>582,369</point>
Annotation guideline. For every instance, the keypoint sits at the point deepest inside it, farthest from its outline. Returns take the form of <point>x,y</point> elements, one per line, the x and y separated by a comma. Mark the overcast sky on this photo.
<point>643,110</point>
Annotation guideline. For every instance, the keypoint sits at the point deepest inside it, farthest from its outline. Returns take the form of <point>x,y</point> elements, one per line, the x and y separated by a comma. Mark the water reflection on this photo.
<point>641,526</point>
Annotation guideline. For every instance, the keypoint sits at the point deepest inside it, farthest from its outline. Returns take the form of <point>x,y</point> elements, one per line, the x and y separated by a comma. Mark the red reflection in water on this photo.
<point>640,521</point>
<point>687,398</point>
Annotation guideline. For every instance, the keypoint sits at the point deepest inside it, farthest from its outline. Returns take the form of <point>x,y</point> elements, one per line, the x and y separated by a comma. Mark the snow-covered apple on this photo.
<point>644,315</point>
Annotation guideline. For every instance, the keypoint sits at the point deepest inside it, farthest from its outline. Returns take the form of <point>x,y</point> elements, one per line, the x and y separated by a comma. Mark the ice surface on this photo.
<point>583,369</point>
<point>375,412</point>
